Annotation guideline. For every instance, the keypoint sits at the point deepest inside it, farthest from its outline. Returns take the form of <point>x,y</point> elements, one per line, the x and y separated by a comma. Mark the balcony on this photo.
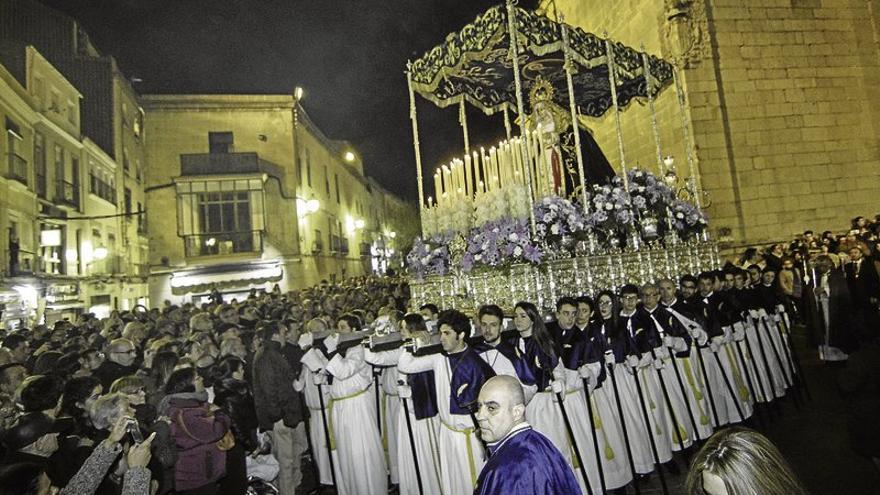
<point>17,169</point>
<point>223,243</point>
<point>101,189</point>
<point>226,164</point>
<point>66,193</point>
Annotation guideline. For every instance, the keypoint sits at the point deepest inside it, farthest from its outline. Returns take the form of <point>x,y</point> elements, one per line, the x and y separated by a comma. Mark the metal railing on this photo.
<point>102,189</point>
<point>66,193</point>
<point>17,169</point>
<point>223,243</point>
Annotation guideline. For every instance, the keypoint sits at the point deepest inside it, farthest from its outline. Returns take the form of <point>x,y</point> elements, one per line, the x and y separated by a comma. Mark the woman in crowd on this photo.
<point>232,394</point>
<point>199,430</point>
<point>740,461</point>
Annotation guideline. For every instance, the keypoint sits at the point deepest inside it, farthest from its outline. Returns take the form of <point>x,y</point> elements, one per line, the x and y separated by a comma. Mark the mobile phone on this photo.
<point>135,431</point>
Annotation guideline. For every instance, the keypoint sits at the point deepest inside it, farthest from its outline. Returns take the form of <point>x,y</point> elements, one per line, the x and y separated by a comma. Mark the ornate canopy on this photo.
<point>474,65</point>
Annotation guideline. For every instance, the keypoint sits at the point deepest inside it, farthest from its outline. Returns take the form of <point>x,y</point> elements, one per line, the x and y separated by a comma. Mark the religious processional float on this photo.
<point>541,214</point>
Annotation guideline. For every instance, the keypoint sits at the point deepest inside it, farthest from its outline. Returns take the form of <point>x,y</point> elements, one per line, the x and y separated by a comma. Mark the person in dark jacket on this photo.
<point>232,395</point>
<point>279,407</point>
<point>121,356</point>
<point>198,429</point>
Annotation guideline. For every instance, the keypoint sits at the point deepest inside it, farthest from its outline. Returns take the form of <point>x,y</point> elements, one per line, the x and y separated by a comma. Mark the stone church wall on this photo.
<point>783,99</point>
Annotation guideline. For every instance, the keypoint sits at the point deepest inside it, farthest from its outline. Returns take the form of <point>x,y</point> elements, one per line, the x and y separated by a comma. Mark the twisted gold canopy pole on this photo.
<point>688,143</point>
<point>612,81</point>
<point>462,119</point>
<point>569,69</point>
<point>415,130</point>
<point>520,107</point>
<point>649,89</point>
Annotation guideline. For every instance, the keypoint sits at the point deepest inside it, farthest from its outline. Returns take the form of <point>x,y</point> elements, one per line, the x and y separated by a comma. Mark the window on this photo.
<point>141,219</point>
<point>63,191</point>
<point>336,179</point>
<point>51,244</point>
<point>318,242</point>
<point>17,164</point>
<point>102,183</point>
<point>327,180</point>
<point>220,142</point>
<point>220,217</point>
<point>137,170</point>
<point>125,164</point>
<point>308,168</point>
<point>138,125</point>
<point>127,202</point>
<point>74,179</point>
<point>54,106</point>
<point>71,113</point>
<point>40,163</point>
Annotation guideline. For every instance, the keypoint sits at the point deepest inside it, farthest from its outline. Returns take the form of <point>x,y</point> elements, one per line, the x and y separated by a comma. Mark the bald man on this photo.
<point>521,460</point>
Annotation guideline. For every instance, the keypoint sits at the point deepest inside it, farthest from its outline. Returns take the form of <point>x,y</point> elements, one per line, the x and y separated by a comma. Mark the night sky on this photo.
<point>348,55</point>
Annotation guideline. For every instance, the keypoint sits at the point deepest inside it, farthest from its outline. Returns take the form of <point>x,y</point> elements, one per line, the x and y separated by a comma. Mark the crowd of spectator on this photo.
<point>177,399</point>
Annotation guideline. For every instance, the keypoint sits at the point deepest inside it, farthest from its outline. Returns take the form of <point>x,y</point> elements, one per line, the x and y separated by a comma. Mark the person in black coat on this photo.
<point>864,288</point>
<point>232,394</point>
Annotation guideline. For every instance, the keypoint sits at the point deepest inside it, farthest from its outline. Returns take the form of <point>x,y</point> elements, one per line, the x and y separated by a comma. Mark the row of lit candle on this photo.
<point>484,171</point>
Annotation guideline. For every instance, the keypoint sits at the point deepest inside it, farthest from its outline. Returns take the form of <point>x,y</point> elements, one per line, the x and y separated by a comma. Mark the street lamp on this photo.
<point>349,156</point>
<point>298,93</point>
<point>99,253</point>
<point>306,207</point>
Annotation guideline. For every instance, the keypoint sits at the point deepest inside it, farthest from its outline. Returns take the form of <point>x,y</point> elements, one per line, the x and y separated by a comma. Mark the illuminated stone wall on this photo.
<point>783,100</point>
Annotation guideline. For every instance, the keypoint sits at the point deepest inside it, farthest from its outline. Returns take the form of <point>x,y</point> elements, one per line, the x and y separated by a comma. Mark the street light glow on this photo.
<point>99,253</point>
<point>298,93</point>
<point>349,156</point>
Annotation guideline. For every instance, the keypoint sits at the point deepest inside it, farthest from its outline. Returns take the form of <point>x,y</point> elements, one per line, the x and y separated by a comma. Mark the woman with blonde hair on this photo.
<point>740,461</point>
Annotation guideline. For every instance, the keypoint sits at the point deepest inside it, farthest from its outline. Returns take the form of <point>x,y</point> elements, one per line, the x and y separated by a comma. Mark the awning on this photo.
<point>474,65</point>
<point>227,275</point>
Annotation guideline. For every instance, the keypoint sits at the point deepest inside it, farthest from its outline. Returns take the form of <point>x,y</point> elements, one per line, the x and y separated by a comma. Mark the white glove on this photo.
<point>661,352</point>
<point>404,391</point>
<point>306,340</point>
<point>609,358</point>
<point>645,361</point>
<point>715,343</point>
<point>777,318</point>
<point>319,378</point>
<point>558,387</point>
<point>754,313</point>
<point>331,342</point>
<point>591,385</point>
<point>678,344</point>
<point>780,308</point>
<point>585,372</point>
<point>728,334</point>
<point>695,331</point>
<point>632,361</point>
<point>658,364</point>
<point>667,340</point>
<point>739,331</point>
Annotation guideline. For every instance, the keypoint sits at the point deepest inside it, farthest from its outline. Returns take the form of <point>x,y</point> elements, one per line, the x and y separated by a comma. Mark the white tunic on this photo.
<point>460,448</point>
<point>361,467</point>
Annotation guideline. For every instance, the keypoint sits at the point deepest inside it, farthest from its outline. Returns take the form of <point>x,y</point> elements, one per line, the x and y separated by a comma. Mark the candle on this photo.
<point>462,177</point>
<point>493,162</point>
<point>468,184</point>
<point>438,187</point>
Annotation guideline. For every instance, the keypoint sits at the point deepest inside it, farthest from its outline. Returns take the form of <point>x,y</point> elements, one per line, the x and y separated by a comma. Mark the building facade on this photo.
<point>244,192</point>
<point>71,211</point>
<point>781,96</point>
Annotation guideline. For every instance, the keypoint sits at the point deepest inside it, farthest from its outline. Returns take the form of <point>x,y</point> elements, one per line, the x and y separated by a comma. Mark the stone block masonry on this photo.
<point>784,104</point>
